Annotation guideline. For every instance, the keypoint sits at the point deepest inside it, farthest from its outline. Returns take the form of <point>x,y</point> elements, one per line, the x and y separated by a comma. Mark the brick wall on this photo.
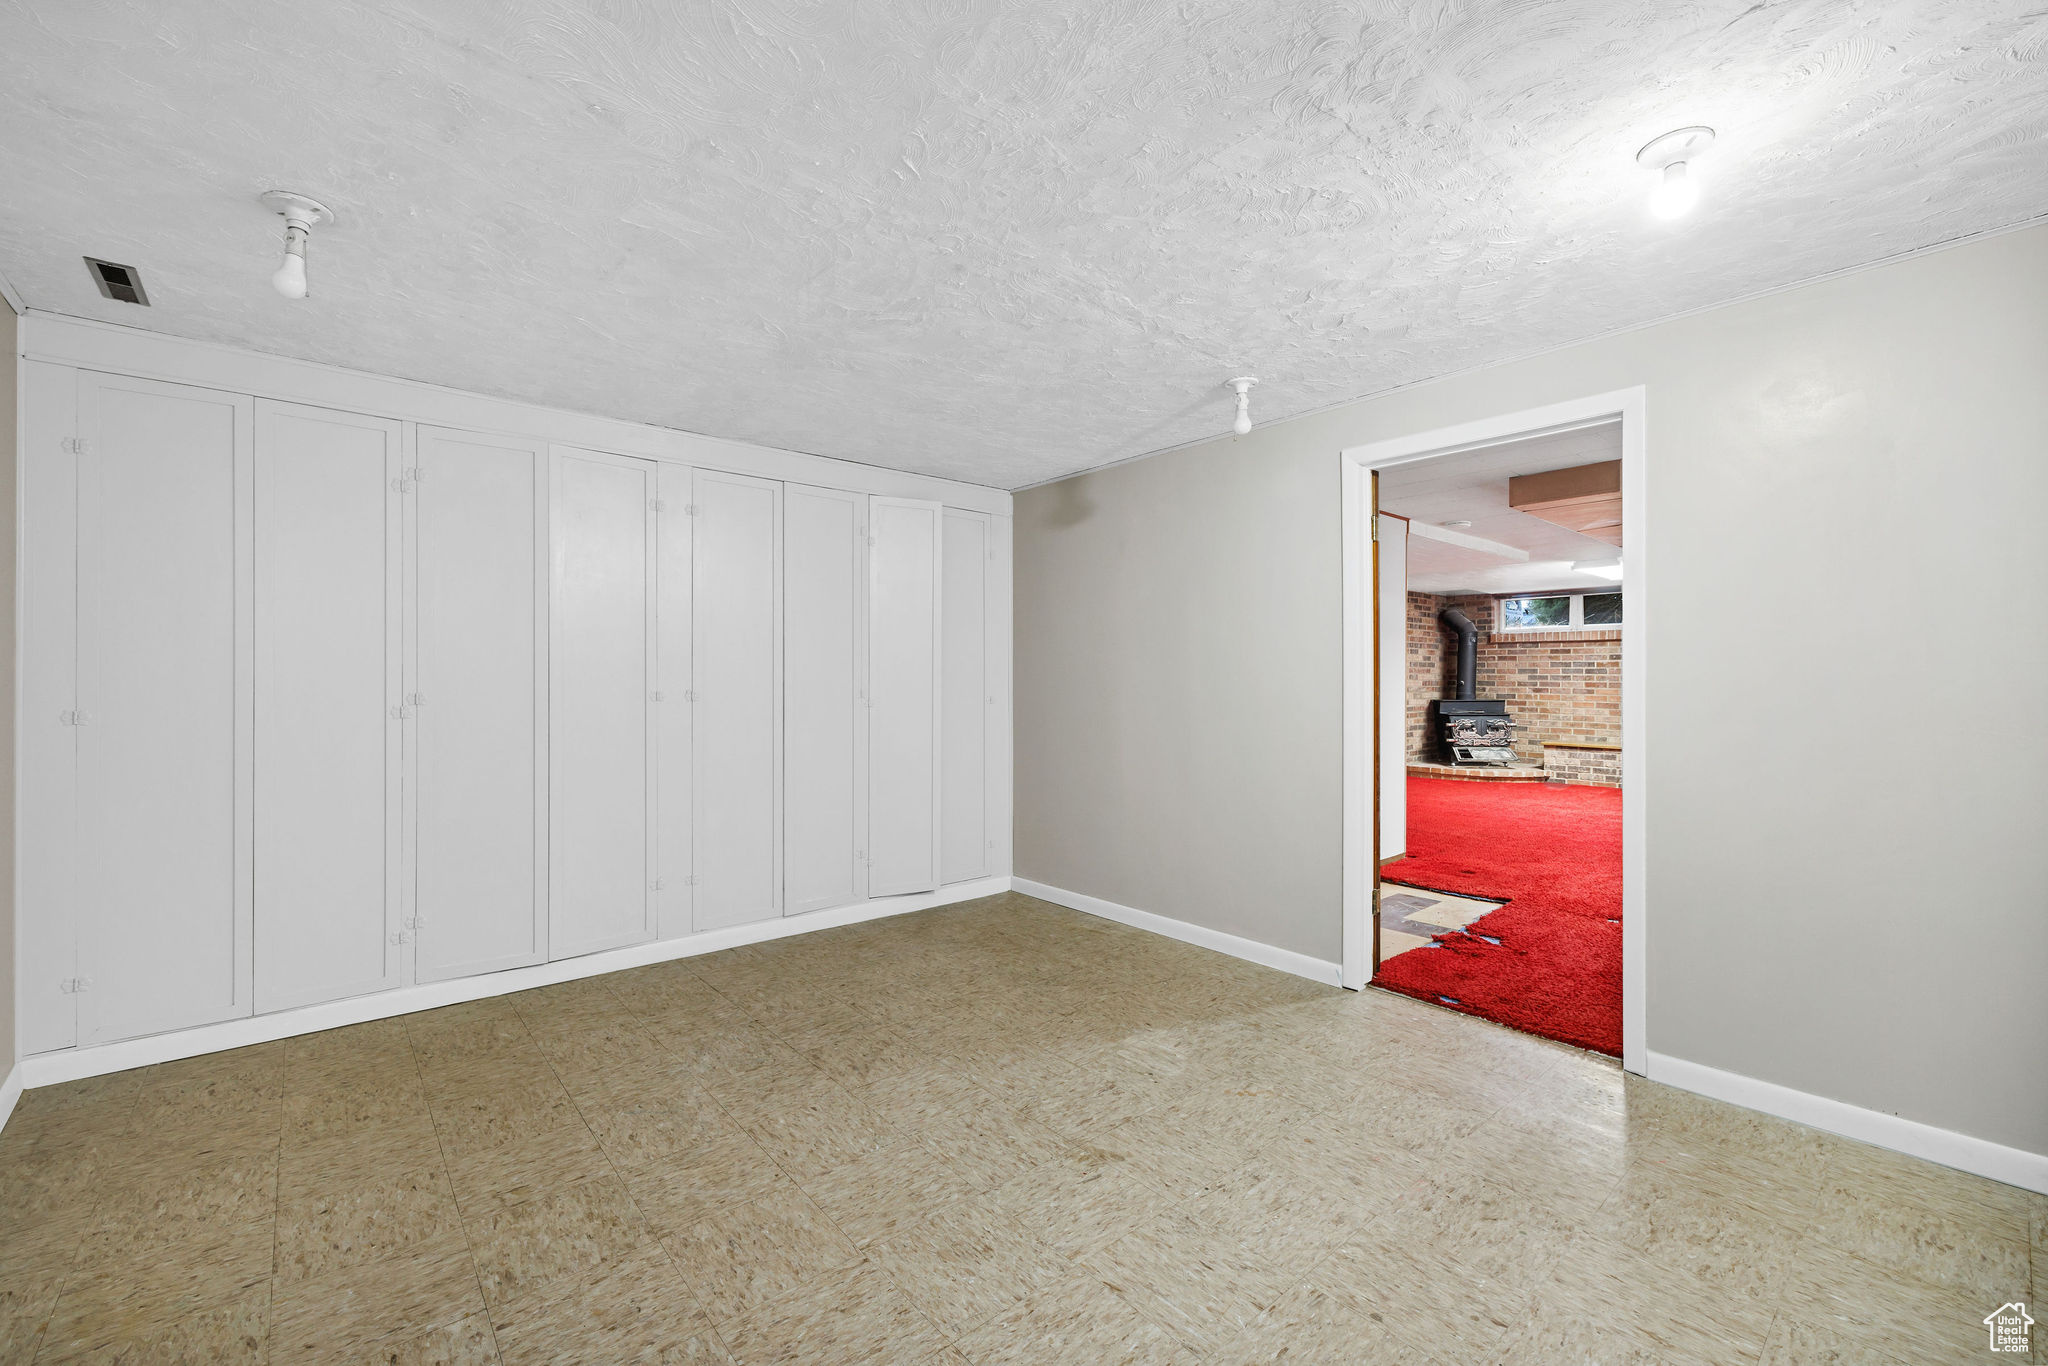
<point>1432,669</point>
<point>1588,767</point>
<point>1561,687</point>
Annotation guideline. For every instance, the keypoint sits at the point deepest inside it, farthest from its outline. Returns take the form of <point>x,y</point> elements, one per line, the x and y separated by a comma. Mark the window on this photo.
<point>1602,609</point>
<point>1560,612</point>
<point>1529,614</point>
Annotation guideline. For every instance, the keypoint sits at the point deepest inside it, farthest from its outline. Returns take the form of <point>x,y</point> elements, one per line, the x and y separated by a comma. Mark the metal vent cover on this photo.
<point>123,284</point>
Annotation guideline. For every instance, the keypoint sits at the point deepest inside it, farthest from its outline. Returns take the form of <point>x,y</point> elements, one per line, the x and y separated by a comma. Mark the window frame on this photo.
<point>1576,622</point>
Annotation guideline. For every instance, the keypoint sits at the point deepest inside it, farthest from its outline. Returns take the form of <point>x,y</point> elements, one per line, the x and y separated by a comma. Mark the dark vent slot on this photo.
<point>122,284</point>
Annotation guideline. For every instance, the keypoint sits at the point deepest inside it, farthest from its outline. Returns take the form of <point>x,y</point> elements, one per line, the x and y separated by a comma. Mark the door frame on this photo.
<point>1358,465</point>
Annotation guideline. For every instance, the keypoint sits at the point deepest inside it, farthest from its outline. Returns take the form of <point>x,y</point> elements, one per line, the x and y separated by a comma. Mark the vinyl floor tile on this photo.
<point>636,1309</point>
<point>356,1312</point>
<point>1080,1322</point>
<point>997,1132</point>
<point>234,1332</point>
<point>562,1232</point>
<point>850,1317</point>
<point>880,1192</point>
<point>967,1262</point>
<point>326,1221</point>
<point>1311,1325</point>
<point>745,1256</point>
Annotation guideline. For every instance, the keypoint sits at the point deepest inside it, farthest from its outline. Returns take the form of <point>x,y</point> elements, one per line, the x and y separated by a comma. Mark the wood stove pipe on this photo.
<point>1468,651</point>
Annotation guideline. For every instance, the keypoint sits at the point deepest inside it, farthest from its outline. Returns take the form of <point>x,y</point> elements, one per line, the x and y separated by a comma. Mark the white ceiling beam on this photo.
<point>1431,532</point>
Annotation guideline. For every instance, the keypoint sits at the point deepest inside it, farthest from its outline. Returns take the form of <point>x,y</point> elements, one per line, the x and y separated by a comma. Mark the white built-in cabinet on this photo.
<point>906,570</point>
<point>965,699</point>
<point>319,702</point>
<point>600,699</point>
<point>476,704</point>
<point>735,705</point>
<point>823,803</point>
<point>163,712</point>
<point>329,661</point>
<point>46,811</point>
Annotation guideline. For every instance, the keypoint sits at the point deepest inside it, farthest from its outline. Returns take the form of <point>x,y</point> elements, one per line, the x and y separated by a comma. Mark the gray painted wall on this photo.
<point>1848,885</point>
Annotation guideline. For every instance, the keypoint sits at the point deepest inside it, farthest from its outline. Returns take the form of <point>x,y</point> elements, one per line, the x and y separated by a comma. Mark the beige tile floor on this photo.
<point>1001,1132</point>
<point>1445,912</point>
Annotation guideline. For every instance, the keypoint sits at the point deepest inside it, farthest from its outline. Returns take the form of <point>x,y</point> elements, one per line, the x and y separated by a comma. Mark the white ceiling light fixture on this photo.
<point>301,216</point>
<point>1609,570</point>
<point>1671,156</point>
<point>1243,384</point>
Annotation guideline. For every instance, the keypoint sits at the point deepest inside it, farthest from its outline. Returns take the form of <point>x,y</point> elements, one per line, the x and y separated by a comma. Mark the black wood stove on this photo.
<point>1476,731</point>
<point>1472,730</point>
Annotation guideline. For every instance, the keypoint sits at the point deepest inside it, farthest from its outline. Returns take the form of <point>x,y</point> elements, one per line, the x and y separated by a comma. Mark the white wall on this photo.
<point>1393,686</point>
<point>10,364</point>
<point>1846,484</point>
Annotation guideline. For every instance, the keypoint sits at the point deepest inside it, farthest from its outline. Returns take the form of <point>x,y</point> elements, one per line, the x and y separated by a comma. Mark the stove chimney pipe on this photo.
<point>1468,651</point>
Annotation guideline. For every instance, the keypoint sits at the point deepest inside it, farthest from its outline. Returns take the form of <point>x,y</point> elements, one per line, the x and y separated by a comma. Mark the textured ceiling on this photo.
<point>992,240</point>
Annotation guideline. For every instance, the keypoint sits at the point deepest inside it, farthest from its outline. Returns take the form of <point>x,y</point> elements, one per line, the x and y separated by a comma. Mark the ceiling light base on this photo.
<point>1680,144</point>
<point>297,208</point>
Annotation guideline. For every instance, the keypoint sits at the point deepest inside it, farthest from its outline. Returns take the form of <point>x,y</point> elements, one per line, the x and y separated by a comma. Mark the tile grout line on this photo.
<point>455,1203</point>
<point>646,1224</point>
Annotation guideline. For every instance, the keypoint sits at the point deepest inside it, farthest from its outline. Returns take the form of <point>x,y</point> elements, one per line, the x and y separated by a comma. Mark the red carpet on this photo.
<point>1554,853</point>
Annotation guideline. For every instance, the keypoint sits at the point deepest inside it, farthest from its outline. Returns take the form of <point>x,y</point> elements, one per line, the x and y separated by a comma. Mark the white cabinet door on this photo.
<point>478,700</point>
<point>163,686</point>
<point>328,749</point>
<point>736,707</point>
<point>904,576</point>
<point>823,543</point>
<point>672,766</point>
<point>601,665</point>
<point>965,699</point>
<point>47,824</point>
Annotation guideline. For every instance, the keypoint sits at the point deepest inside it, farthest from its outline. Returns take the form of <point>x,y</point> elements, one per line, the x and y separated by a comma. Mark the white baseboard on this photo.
<point>1251,950</point>
<point>10,1092</point>
<point>45,1069</point>
<point>1981,1157</point>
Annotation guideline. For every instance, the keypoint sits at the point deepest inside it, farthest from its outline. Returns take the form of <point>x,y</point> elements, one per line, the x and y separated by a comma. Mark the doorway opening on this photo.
<point>1494,601</point>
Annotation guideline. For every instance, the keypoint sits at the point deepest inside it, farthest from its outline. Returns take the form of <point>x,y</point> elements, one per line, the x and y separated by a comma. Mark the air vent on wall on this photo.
<point>120,283</point>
